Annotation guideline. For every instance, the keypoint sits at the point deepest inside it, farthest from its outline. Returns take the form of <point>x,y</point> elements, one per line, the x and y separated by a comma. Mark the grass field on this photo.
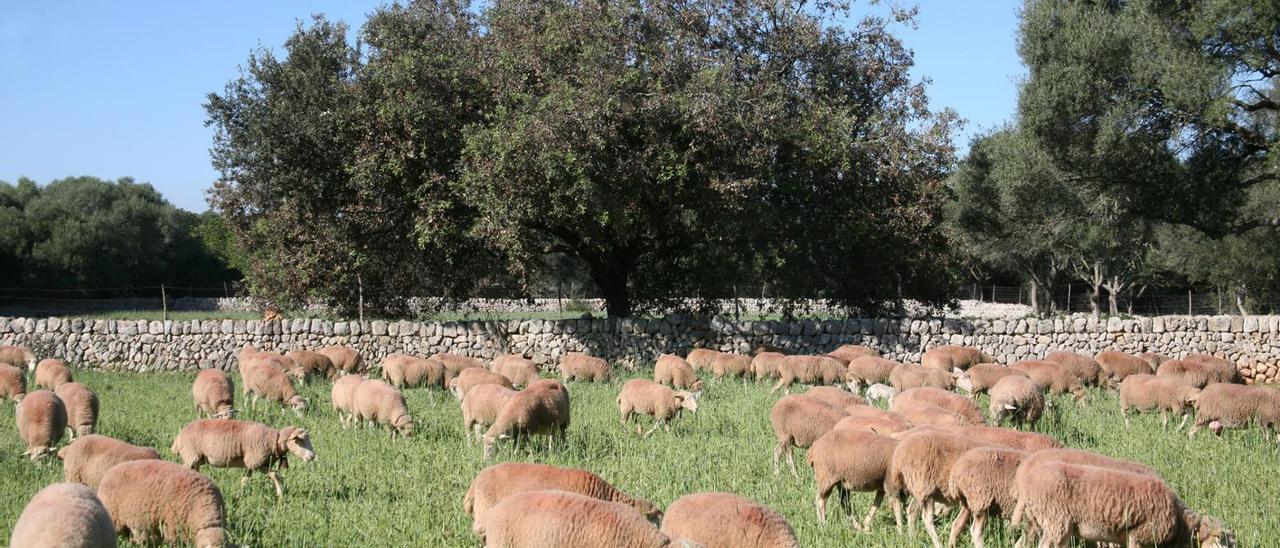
<point>365,490</point>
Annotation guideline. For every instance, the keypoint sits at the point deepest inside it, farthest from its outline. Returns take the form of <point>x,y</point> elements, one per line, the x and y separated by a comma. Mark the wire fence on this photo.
<point>1070,298</point>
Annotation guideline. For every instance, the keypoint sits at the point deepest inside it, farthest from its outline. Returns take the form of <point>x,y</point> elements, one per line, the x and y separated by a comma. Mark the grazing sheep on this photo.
<point>405,371</point>
<point>1119,365</point>
<point>868,370</point>
<point>560,519</point>
<point>849,352</point>
<point>731,365</point>
<point>262,381</point>
<point>675,372</point>
<point>954,403</point>
<point>87,459</point>
<point>230,443</point>
<point>852,460</point>
<point>343,396</point>
<point>921,466</point>
<point>650,398</point>
<point>982,482</point>
<point>481,406</point>
<point>1225,370</point>
<point>1083,367</point>
<point>497,482</point>
<point>81,405</point>
<point>726,520</point>
<point>925,413</point>
<point>454,363</point>
<point>1086,458</point>
<point>313,364</point>
<point>518,369</point>
<point>42,419</point>
<point>472,377</point>
<point>1018,398</point>
<point>835,397</point>
<point>250,356</point>
<point>1194,373</point>
<point>18,356</point>
<point>155,498</point>
<point>13,383</point>
<point>979,379</point>
<point>765,365</point>
<point>701,358</point>
<point>1237,405</point>
<point>1108,505</point>
<point>1152,358</point>
<point>376,402</point>
<point>1052,377</point>
<point>798,421</point>
<point>996,436</point>
<point>213,394</point>
<point>875,413</point>
<point>875,425</point>
<point>907,376</point>
<point>880,392</point>
<point>344,358</point>
<point>51,372</point>
<point>541,408</point>
<point>64,515</point>
<point>579,366</point>
<point>1163,394</point>
<point>808,370</point>
<point>950,357</point>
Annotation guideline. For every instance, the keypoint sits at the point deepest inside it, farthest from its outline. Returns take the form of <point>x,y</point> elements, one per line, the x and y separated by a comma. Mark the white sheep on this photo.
<point>646,397</point>
<point>551,518</point>
<point>13,383</point>
<point>87,459</point>
<point>1154,393</point>
<point>502,480</point>
<point>42,420</point>
<point>156,500</point>
<point>1053,377</point>
<point>541,408</point>
<point>230,443</point>
<point>81,405</point>
<point>64,515</point>
<point>880,392</point>
<point>716,520</point>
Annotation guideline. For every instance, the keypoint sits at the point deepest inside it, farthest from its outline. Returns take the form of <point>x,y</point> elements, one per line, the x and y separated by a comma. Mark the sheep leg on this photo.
<point>777,454</point>
<point>1164,419</point>
<point>1183,424</point>
<point>896,503</point>
<point>976,527</point>
<point>656,423</point>
<point>791,461</point>
<point>245,480</point>
<point>927,516</point>
<point>913,509</point>
<point>1191,432</point>
<point>820,502</point>
<point>776,387</point>
<point>275,479</point>
<point>871,513</point>
<point>957,526</point>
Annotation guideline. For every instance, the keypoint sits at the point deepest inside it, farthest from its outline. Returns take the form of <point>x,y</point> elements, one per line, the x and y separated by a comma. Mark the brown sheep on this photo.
<point>979,379</point>
<point>64,515</point>
<point>343,396</point>
<point>263,381</point>
<point>874,412</point>
<point>954,403</point>
<point>1119,365</point>
<point>835,397</point>
<point>481,406</point>
<point>982,481</point>
<point>541,408</point>
<point>472,377</point>
<point>405,371</point>
<point>551,518</point>
<point>89,458</point>
<point>1052,377</point>
<point>868,370</point>
<point>81,405</point>
<point>798,421</point>
<point>18,356</point>
<point>579,366</point>
<point>875,425</point>
<point>250,356</point>
<point>907,376</point>
<point>313,364</point>
<point>726,520</point>
<point>851,460</point>
<point>950,357</point>
<point>51,372</point>
<point>518,369</point>
<point>1153,359</point>
<point>674,371</point>
<point>455,363</point>
<point>1016,397</point>
<point>646,397</point>
<point>731,365</point>
<point>1237,405</point>
<point>1068,456</point>
<point>344,358</point>
<point>497,482</point>
<point>921,466</point>
<point>154,498</point>
<point>1225,370</point>
<point>376,402</point>
<point>765,365</point>
<point>42,419</point>
<point>1194,373</point>
<point>849,352</point>
<point>213,393</point>
<point>1163,394</point>
<point>925,413</point>
<point>996,436</point>
<point>230,443</point>
<point>13,383</point>
<point>809,370</point>
<point>701,358</point>
<point>1082,367</point>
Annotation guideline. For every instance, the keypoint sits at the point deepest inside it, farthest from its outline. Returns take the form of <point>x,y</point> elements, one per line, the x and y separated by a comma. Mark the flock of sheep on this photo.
<point>931,447</point>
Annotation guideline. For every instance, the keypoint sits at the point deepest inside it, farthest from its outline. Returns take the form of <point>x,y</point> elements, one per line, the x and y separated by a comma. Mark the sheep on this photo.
<point>541,408</point>
<point>81,405</point>
<point>1163,394</point>
<point>551,518</point>
<point>954,403</point>
<point>472,377</point>
<point>726,520</point>
<point>880,392</point>
<point>155,498</point>
<point>798,421</point>
<point>808,370</point>
<point>64,514</point>
<point>765,365</point>
<point>1153,359</point>
<point>213,394</point>
<point>405,371</point>
<point>650,398</point>
<point>18,356</point>
<point>1052,377</point>
<point>835,397</point>
<point>1119,365</point>
<point>852,460</point>
<point>1016,397</point>
<point>675,372</point>
<point>982,482</point>
<point>1068,456</point>
<point>849,352</point>
<point>979,379</point>
<point>875,425</point>
<point>13,383</point>
<point>230,443</point>
<point>88,459</point>
<point>907,376</point>
<point>250,356</point>
<point>1085,368</point>
<point>994,435</point>
<point>731,365</point>
<point>312,364</point>
<point>868,370</point>
<point>499,481</point>
<point>1108,505</point>
<point>42,419</point>
<point>579,366</point>
<point>875,413</point>
<point>51,372</point>
<point>1237,405</point>
<point>343,396</point>
<point>1225,370</point>
<point>344,358</point>
<point>701,358</point>
<point>921,466</point>
<point>261,380</point>
<point>454,363</point>
<point>1197,374</point>
<point>376,402</point>
<point>950,357</point>
<point>481,406</point>
<point>924,413</point>
<point>518,369</point>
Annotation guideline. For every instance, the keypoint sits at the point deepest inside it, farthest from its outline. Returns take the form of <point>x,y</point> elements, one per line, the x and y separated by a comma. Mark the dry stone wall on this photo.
<point>1253,342</point>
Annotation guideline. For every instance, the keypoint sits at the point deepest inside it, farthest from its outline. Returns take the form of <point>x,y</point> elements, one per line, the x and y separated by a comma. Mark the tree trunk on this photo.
<point>1035,301</point>
<point>610,276</point>
<point>1240,300</point>
<point>1095,290</point>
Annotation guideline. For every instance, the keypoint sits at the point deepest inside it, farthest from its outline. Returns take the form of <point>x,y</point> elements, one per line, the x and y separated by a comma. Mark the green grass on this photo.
<point>363,489</point>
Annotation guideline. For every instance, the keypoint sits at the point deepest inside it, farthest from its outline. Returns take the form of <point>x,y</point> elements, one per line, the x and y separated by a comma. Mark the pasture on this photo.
<point>365,489</point>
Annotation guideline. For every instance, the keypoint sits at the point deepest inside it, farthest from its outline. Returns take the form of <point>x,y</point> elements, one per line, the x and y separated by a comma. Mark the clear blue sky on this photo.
<point>115,88</point>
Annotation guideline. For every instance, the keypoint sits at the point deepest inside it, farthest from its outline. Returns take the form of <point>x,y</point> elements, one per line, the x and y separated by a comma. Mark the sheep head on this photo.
<point>688,400</point>
<point>1207,531</point>
<point>402,425</point>
<point>211,537</point>
<point>298,404</point>
<point>297,441</point>
<point>225,412</point>
<point>962,380</point>
<point>1193,397</point>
